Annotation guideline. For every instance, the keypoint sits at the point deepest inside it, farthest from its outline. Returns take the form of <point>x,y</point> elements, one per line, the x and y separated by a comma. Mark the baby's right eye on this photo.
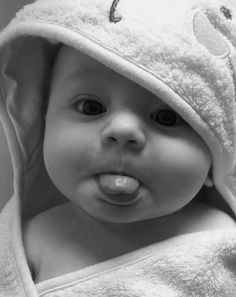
<point>90,107</point>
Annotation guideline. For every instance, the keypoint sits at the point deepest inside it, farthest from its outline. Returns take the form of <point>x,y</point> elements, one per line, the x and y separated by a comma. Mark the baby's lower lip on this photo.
<point>125,193</point>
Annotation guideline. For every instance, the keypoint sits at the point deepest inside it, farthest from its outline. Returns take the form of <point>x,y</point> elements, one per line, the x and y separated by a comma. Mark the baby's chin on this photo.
<point>120,209</point>
<point>116,214</point>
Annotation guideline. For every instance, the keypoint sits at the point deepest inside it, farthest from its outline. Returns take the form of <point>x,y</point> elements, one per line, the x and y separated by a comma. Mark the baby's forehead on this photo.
<point>73,67</point>
<point>71,63</point>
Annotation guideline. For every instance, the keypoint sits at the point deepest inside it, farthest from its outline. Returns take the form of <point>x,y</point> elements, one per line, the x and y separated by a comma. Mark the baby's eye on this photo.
<point>90,107</point>
<point>166,117</point>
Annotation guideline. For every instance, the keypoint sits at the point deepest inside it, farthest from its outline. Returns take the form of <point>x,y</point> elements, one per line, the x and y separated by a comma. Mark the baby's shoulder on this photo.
<point>36,234</point>
<point>205,216</point>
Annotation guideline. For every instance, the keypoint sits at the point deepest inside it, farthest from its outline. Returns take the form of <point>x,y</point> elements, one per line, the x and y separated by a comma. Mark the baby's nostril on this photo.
<point>226,12</point>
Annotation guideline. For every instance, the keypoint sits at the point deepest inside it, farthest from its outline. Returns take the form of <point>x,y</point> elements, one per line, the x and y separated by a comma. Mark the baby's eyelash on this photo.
<point>89,106</point>
<point>165,116</point>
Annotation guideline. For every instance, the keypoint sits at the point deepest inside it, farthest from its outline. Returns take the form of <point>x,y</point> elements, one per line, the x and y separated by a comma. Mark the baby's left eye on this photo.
<point>166,117</point>
<point>90,107</point>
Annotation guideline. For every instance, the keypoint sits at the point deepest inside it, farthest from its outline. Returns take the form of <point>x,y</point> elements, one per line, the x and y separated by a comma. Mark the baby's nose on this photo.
<point>124,131</point>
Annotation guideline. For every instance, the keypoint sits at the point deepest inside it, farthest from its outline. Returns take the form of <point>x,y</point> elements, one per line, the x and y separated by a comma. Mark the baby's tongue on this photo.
<point>118,184</point>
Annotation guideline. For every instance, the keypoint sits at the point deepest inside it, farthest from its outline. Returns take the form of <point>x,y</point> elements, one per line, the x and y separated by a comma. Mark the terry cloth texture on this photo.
<point>182,51</point>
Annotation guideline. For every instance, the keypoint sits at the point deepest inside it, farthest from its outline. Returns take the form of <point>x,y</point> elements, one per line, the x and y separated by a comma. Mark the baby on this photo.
<point>129,165</point>
<point>120,119</point>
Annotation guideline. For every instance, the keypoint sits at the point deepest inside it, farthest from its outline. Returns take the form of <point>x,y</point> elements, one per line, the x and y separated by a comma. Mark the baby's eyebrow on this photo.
<point>81,75</point>
<point>88,72</point>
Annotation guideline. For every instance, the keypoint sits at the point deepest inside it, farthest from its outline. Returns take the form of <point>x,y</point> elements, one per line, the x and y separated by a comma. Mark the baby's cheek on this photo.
<point>192,162</point>
<point>68,153</point>
<point>183,161</point>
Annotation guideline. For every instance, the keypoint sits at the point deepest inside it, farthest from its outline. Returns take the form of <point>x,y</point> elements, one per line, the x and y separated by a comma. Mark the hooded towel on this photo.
<point>183,52</point>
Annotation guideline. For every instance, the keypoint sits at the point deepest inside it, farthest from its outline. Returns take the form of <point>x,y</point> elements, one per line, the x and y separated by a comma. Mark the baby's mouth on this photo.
<point>118,188</point>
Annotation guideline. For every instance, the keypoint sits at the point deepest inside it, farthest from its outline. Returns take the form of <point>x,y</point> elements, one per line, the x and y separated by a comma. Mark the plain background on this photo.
<point>7,12</point>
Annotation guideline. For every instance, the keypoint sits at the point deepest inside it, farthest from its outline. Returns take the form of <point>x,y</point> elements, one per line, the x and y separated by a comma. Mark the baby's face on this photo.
<point>115,149</point>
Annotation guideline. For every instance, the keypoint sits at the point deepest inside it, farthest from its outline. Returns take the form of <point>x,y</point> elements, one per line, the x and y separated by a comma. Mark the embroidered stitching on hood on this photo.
<point>112,17</point>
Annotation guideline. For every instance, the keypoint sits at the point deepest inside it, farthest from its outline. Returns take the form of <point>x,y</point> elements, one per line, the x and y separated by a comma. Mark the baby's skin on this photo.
<point>129,165</point>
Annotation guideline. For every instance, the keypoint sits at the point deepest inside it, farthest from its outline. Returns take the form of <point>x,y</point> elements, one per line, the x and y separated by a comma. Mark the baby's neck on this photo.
<point>127,235</point>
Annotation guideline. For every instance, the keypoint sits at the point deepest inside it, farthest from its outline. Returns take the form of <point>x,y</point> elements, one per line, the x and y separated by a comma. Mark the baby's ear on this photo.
<point>208,182</point>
